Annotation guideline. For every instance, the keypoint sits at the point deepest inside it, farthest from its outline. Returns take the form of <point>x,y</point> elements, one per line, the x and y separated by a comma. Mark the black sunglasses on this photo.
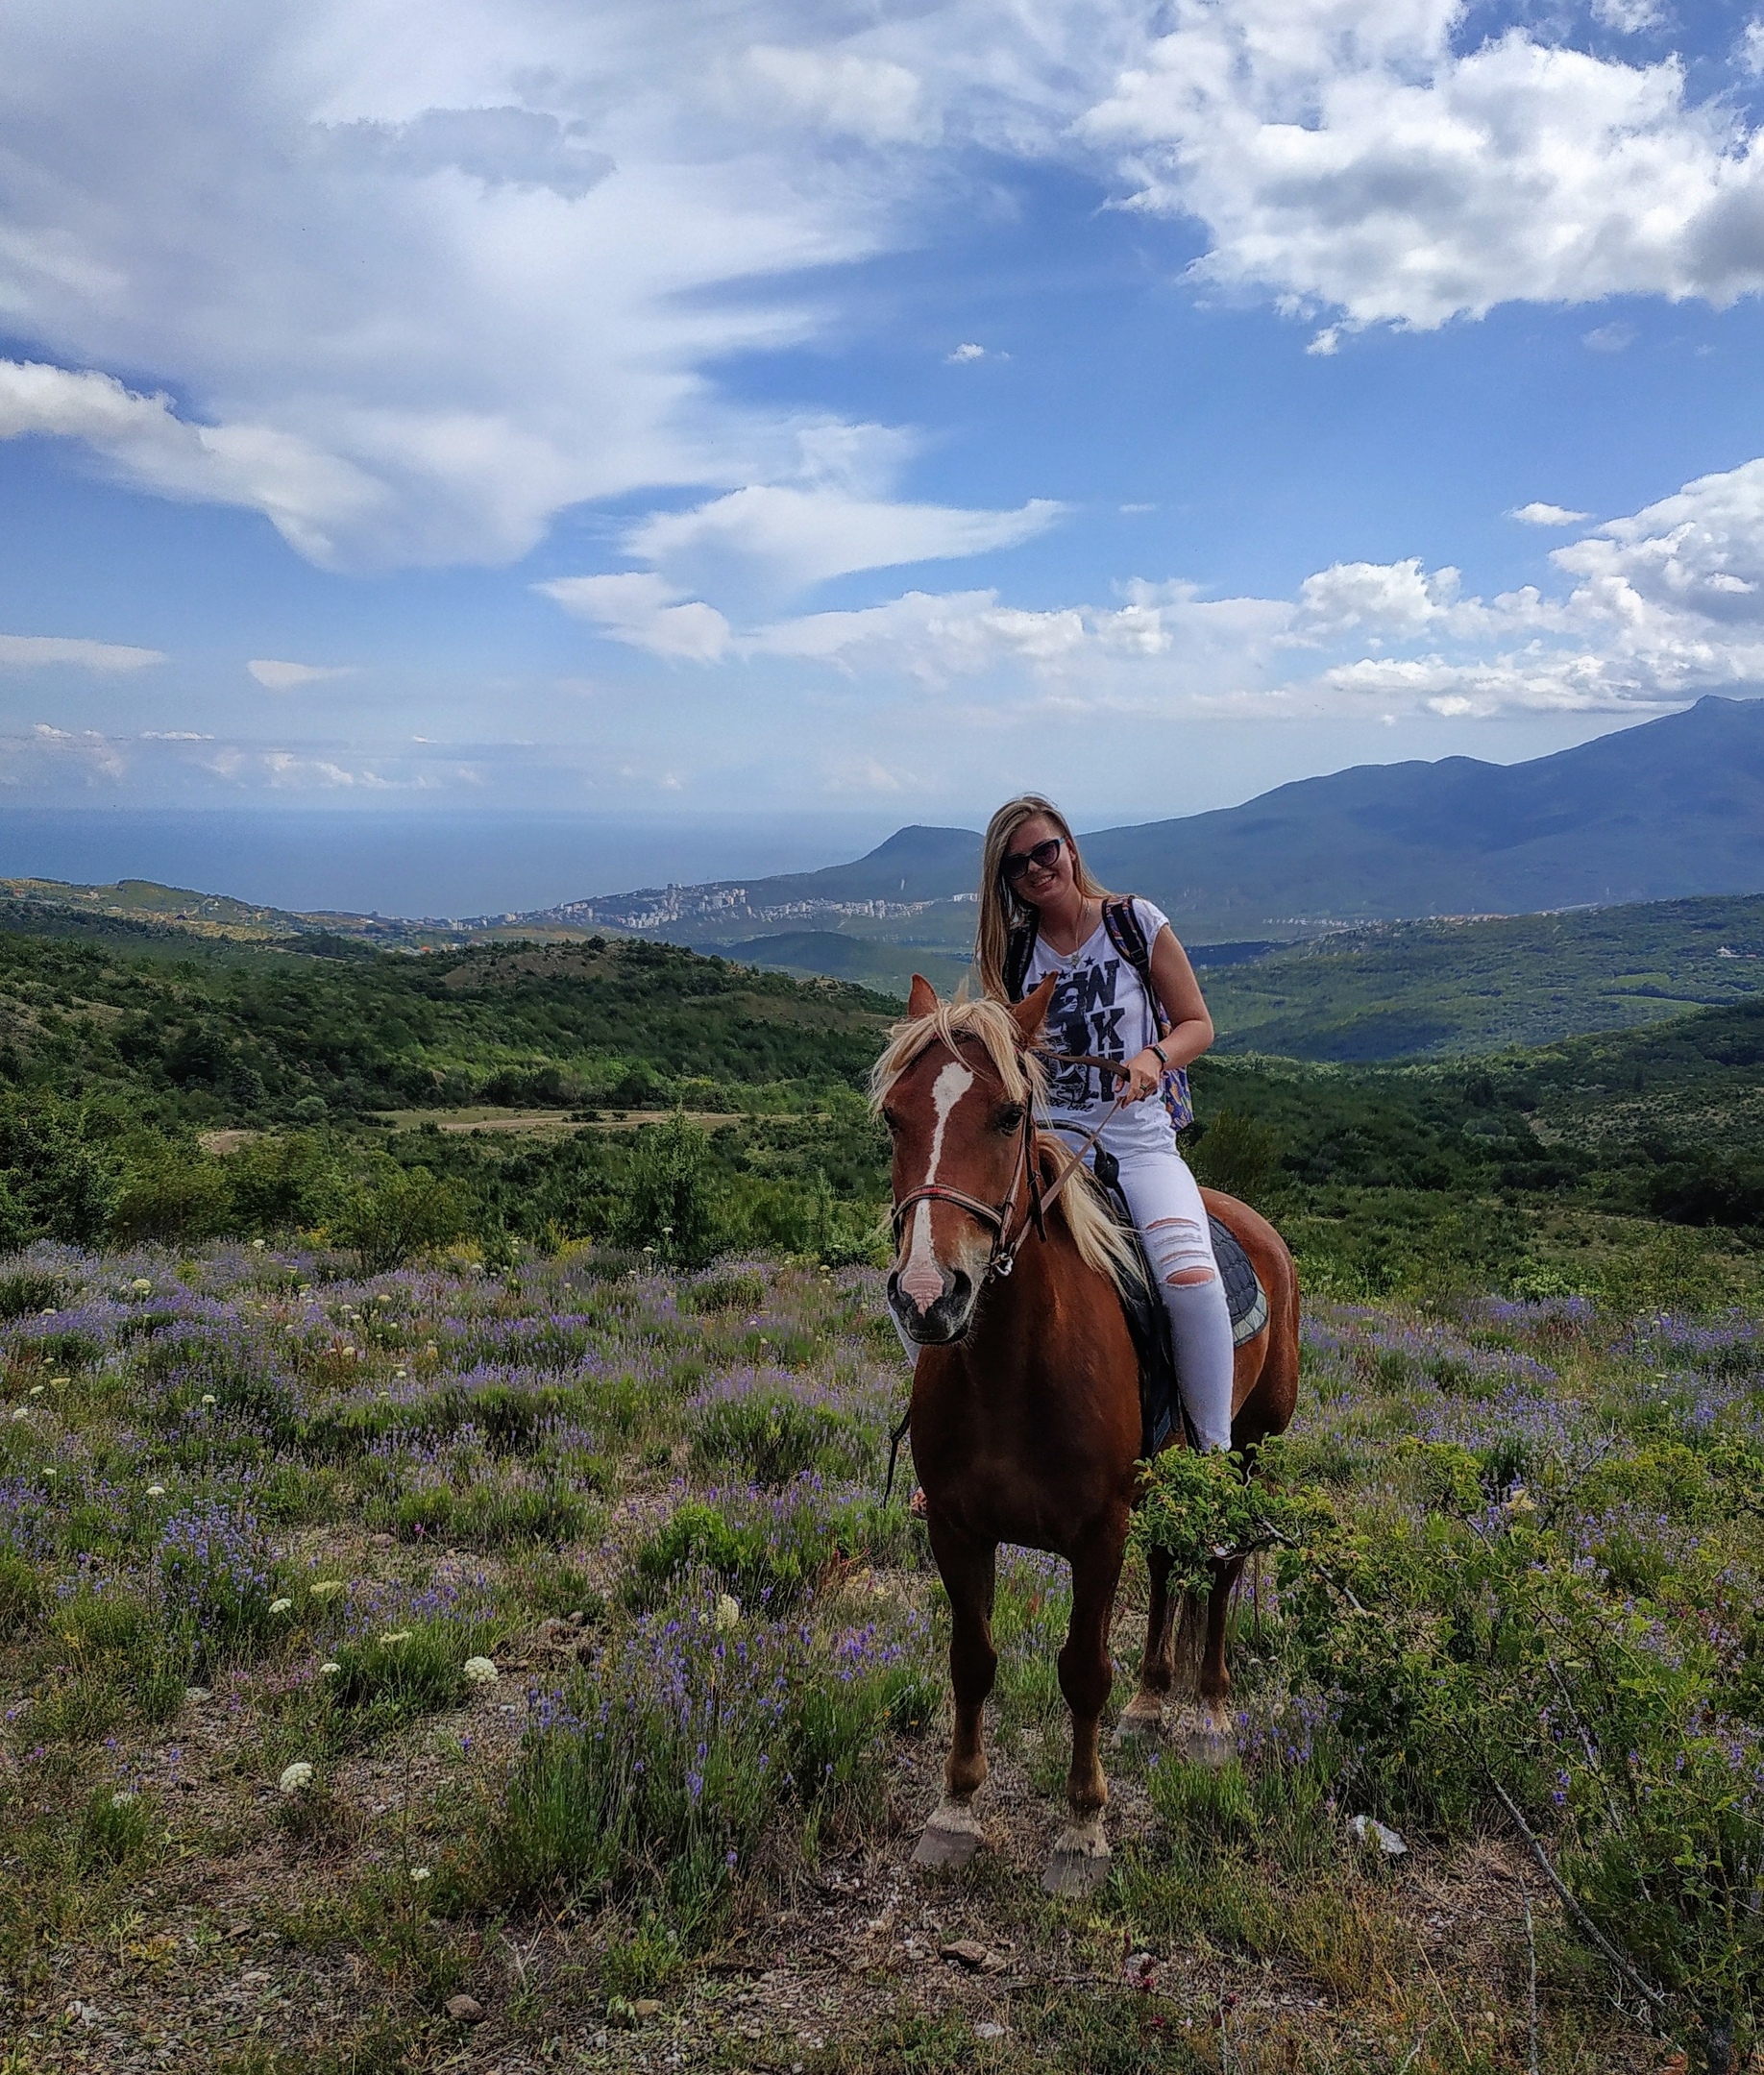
<point>1041,855</point>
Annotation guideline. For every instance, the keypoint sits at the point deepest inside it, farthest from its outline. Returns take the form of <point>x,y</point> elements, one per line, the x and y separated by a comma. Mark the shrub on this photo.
<point>1239,1156</point>
<point>117,1828</point>
<point>28,1290</point>
<point>395,1212</point>
<point>772,1435</point>
<point>218,1581</point>
<point>771,1554</point>
<point>670,1204</point>
<point>652,1780</point>
<point>379,1682</point>
<point>58,1179</point>
<point>171,1192</point>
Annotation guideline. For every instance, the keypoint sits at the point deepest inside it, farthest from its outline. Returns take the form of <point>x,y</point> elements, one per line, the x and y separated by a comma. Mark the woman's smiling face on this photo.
<point>1040,883</point>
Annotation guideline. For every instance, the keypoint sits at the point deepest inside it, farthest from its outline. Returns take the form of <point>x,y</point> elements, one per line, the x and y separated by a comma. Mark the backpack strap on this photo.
<point>1020,949</point>
<point>1128,937</point>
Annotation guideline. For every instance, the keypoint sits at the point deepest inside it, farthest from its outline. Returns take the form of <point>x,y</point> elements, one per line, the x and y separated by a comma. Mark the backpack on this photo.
<point>1128,938</point>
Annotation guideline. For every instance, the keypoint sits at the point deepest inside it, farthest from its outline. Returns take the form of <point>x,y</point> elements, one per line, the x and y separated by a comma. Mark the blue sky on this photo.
<point>871,411</point>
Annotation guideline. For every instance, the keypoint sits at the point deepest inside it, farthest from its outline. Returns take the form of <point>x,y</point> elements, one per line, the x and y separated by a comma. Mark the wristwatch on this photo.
<point>1161,1061</point>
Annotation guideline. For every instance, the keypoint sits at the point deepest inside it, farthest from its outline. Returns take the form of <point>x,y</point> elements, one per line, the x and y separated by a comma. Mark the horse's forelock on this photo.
<point>1100,1242</point>
<point>993,1025</point>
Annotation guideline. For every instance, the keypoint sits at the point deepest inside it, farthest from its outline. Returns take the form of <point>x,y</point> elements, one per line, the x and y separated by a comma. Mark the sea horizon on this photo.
<point>439,864</point>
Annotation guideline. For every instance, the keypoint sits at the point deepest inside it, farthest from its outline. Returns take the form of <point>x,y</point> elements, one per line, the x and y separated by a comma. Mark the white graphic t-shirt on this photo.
<point>1100,1007</point>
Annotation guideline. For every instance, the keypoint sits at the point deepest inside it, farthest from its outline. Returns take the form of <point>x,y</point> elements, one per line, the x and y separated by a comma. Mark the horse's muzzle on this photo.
<point>944,1318</point>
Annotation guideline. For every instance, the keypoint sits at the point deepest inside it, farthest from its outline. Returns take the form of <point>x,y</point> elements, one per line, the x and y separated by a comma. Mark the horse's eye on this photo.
<point>1010,1117</point>
<point>892,1120</point>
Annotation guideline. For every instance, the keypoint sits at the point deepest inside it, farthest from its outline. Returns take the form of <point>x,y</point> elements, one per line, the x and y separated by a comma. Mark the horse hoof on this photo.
<point>1079,1862</point>
<point>1204,1735</point>
<point>950,1837</point>
<point>1141,1721</point>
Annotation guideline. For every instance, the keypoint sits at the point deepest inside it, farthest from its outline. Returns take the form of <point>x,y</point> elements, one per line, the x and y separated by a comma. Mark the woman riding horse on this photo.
<point>1123,990</point>
<point>1025,1416</point>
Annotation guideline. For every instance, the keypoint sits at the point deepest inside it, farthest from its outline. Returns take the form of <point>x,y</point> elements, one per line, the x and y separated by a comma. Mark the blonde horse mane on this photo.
<point>1100,1242</point>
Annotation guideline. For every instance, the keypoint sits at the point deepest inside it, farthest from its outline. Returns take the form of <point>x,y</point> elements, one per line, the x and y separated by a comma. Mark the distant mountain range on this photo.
<point>1670,808</point>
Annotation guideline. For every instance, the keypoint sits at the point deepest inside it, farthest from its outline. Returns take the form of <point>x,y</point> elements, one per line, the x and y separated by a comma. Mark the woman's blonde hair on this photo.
<point>1001,910</point>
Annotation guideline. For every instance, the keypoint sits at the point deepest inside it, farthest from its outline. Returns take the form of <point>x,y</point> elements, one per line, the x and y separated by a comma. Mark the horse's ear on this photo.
<point>922,1000</point>
<point>1030,1012</point>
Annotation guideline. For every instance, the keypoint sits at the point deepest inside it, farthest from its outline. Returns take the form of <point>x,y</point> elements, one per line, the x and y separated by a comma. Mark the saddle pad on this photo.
<point>1243,1293</point>
<point>1150,1322</point>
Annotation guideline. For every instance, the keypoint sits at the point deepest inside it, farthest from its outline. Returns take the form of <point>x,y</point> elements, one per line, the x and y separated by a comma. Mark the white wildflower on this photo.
<point>330,1670</point>
<point>155,1491</point>
<point>56,1381</point>
<point>419,1873</point>
<point>729,1611</point>
<point>327,1588</point>
<point>257,1246</point>
<point>296,1778</point>
<point>208,1397</point>
<point>398,1635</point>
<point>37,1390</point>
<point>21,1411</point>
<point>122,1797</point>
<point>398,1375</point>
<point>141,1286</point>
<point>481,1671</point>
<point>282,1606</point>
<point>48,1311</point>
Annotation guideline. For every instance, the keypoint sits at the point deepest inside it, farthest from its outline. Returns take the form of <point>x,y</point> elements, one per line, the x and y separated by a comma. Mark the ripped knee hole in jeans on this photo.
<point>1181,1252</point>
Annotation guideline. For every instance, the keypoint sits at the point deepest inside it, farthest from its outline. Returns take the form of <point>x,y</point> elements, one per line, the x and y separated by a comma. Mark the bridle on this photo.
<point>998,1217</point>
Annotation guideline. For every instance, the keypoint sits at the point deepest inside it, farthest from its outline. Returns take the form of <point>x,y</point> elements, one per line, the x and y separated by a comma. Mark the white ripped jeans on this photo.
<point>1165,1202</point>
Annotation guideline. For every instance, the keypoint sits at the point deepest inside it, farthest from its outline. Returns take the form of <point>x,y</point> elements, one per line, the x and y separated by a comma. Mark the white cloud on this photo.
<point>311,498</point>
<point>414,280</point>
<point>1628,17</point>
<point>1347,154</point>
<point>1609,338</point>
<point>845,93</point>
<point>966,353</point>
<point>1657,607</point>
<point>35,651</point>
<point>792,538</point>
<point>502,147</point>
<point>1547,514</point>
<point>286,677</point>
<point>645,612</point>
<point>1749,53</point>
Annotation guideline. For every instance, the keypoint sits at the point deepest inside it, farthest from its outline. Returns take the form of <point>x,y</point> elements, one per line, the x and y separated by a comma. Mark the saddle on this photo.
<point>1150,1322</point>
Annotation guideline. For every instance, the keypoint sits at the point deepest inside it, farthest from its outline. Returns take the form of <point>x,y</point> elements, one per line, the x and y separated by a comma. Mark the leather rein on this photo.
<point>998,1217</point>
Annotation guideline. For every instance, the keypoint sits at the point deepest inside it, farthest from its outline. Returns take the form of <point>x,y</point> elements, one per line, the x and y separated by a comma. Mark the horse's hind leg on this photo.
<point>1143,1714</point>
<point>1080,1858</point>
<point>1204,1735</point>
<point>952,1835</point>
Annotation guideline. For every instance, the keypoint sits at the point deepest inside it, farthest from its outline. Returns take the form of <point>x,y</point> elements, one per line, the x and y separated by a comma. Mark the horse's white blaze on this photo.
<point>922,1280</point>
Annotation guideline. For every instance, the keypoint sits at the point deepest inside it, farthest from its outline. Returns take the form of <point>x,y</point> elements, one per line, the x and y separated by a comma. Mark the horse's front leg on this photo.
<point>1080,1858</point>
<point>952,1835</point>
<point>1143,1714</point>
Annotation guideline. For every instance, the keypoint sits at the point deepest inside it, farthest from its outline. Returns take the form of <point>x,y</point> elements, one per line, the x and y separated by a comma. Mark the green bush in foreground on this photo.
<point>1483,1661</point>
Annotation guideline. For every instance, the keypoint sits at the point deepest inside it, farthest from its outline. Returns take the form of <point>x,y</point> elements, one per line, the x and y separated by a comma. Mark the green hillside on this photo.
<point>518,1095</point>
<point>1414,989</point>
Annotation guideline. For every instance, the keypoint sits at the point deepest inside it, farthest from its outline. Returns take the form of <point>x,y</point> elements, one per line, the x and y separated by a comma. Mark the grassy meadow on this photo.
<point>538,1638</point>
<point>448,1620</point>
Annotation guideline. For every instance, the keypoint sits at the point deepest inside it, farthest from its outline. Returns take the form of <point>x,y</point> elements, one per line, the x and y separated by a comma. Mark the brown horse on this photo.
<point>1025,1408</point>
